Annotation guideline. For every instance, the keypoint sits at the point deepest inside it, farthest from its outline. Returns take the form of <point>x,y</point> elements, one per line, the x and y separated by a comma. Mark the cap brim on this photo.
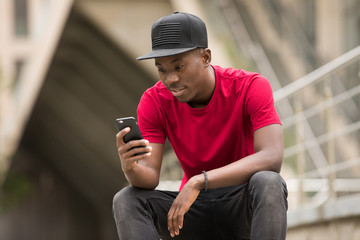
<point>164,53</point>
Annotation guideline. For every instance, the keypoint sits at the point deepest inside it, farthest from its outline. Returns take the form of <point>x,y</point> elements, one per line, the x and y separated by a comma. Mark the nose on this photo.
<point>171,78</point>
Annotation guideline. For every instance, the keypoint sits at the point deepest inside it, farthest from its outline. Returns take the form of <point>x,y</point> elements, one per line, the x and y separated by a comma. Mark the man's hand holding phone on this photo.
<point>130,143</point>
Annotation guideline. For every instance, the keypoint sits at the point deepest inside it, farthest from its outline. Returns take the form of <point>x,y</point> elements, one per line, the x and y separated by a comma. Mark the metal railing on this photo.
<point>325,163</point>
<point>320,116</point>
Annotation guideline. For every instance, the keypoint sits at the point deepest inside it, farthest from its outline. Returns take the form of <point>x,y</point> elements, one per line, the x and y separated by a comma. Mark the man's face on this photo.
<point>185,76</point>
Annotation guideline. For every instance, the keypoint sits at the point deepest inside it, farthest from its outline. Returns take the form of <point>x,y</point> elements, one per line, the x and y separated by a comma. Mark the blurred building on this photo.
<point>68,69</point>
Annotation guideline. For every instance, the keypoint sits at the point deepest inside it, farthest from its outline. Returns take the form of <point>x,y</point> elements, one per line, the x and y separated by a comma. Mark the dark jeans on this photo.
<point>256,210</point>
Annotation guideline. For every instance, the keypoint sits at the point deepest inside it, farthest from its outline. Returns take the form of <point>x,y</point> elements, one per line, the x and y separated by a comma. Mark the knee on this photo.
<point>264,177</point>
<point>121,195</point>
<point>268,183</point>
<point>123,199</point>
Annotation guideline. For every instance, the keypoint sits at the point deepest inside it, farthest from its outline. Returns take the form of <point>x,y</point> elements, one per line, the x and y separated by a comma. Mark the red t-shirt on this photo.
<point>216,135</point>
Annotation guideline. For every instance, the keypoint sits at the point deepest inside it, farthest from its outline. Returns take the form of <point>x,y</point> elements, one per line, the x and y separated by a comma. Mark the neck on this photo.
<point>208,92</point>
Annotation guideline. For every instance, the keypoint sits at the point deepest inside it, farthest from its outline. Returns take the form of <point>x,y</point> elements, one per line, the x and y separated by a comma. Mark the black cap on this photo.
<point>176,33</point>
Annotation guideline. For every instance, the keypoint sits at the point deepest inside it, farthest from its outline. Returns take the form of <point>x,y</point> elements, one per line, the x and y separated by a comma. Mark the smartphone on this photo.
<point>134,133</point>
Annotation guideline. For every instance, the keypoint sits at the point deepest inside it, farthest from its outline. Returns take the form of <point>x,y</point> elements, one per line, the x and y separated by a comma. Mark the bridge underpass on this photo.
<point>93,58</point>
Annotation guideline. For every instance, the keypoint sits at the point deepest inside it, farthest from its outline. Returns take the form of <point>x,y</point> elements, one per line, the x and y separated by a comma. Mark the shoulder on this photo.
<point>157,89</point>
<point>234,73</point>
<point>157,93</point>
<point>238,79</point>
<point>154,101</point>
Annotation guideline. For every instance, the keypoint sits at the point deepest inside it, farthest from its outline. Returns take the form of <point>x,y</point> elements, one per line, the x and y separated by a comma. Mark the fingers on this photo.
<point>120,136</point>
<point>175,220</point>
<point>132,147</point>
<point>180,206</point>
<point>133,151</point>
<point>136,150</point>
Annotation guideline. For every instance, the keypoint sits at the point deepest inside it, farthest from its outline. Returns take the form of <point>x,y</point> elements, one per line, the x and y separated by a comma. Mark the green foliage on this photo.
<point>16,188</point>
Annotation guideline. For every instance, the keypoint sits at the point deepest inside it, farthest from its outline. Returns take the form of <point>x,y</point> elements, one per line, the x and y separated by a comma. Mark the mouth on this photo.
<point>177,91</point>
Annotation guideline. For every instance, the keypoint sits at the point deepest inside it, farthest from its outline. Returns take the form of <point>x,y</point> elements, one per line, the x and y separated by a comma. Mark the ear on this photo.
<point>207,57</point>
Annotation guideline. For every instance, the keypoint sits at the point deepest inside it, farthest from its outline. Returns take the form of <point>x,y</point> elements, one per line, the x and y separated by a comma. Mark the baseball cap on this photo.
<point>176,33</point>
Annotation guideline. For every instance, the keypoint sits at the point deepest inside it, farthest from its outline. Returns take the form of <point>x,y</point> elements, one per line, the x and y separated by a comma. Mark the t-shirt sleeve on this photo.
<point>151,118</point>
<point>260,103</point>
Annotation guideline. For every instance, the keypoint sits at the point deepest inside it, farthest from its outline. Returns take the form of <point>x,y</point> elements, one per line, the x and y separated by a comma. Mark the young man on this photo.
<point>224,129</point>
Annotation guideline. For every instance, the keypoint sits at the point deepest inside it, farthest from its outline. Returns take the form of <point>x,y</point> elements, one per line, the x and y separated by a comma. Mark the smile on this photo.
<point>177,91</point>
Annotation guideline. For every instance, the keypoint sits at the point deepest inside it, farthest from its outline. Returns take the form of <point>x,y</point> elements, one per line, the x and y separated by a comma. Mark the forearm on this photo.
<point>268,156</point>
<point>145,171</point>
<point>240,171</point>
<point>142,176</point>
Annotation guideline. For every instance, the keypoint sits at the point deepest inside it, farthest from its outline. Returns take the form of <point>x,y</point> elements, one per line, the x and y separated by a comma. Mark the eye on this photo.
<point>161,70</point>
<point>179,67</point>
